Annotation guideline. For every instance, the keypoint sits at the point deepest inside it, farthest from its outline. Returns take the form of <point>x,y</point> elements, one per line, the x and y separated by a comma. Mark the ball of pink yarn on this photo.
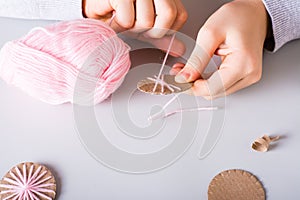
<point>82,58</point>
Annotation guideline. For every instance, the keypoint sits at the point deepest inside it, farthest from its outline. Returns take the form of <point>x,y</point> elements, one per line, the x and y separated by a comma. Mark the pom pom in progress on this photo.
<point>82,58</point>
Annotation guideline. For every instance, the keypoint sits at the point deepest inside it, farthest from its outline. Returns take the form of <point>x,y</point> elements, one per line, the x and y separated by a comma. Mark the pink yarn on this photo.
<point>47,62</point>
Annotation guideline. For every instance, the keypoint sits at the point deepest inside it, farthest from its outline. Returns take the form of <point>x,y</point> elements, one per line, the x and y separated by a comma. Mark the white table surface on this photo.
<point>31,130</point>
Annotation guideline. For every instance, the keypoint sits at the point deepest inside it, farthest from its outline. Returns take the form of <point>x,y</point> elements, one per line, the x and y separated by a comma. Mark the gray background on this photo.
<point>34,131</point>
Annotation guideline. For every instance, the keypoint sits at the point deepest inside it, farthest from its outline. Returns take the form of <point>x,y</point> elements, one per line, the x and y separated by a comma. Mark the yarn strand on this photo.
<point>164,63</point>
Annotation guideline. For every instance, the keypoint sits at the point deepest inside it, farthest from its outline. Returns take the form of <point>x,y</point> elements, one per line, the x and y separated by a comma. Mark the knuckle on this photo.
<point>195,63</point>
<point>252,66</point>
<point>156,33</point>
<point>182,16</point>
<point>207,32</point>
<point>256,77</point>
<point>170,14</point>
<point>146,24</point>
<point>118,2</point>
<point>201,89</point>
<point>254,72</point>
<point>227,7</point>
<point>127,24</point>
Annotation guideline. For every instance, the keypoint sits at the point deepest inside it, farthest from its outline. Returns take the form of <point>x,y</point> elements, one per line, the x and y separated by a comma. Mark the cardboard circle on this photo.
<point>235,185</point>
<point>147,86</point>
<point>37,177</point>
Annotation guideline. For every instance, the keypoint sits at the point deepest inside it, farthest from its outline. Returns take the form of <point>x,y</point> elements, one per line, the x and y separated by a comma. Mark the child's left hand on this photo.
<point>236,32</point>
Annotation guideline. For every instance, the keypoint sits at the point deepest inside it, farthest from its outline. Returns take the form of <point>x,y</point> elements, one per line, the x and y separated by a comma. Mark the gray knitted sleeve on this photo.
<point>285,18</point>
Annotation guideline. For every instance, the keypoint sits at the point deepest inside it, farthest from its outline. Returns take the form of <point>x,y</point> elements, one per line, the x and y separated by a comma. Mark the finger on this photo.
<point>108,20</point>
<point>115,26</point>
<point>218,83</point>
<point>250,80</point>
<point>125,12</point>
<point>145,15</point>
<point>95,10</point>
<point>166,12</point>
<point>176,68</point>
<point>105,18</point>
<point>181,17</point>
<point>241,84</point>
<point>206,44</point>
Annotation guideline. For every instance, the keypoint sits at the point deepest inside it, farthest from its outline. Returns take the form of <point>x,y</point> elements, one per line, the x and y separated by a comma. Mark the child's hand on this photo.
<point>236,32</point>
<point>155,16</point>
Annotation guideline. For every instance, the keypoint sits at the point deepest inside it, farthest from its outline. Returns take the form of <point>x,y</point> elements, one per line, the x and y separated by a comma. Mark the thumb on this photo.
<point>207,43</point>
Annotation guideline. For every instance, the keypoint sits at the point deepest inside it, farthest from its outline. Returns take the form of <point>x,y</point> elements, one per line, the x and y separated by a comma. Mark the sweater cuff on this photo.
<point>60,9</point>
<point>285,19</point>
<point>42,9</point>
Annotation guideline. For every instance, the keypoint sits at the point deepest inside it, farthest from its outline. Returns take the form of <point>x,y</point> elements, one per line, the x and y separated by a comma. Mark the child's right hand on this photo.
<point>153,17</point>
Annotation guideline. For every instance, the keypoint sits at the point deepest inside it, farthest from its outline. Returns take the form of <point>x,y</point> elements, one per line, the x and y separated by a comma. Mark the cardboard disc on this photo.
<point>235,185</point>
<point>28,181</point>
<point>147,86</point>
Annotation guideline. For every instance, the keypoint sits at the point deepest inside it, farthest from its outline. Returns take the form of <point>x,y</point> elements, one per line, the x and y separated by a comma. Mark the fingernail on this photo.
<point>181,78</point>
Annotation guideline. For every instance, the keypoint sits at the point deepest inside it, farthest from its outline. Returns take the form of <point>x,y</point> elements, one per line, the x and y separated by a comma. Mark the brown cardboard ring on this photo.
<point>235,185</point>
